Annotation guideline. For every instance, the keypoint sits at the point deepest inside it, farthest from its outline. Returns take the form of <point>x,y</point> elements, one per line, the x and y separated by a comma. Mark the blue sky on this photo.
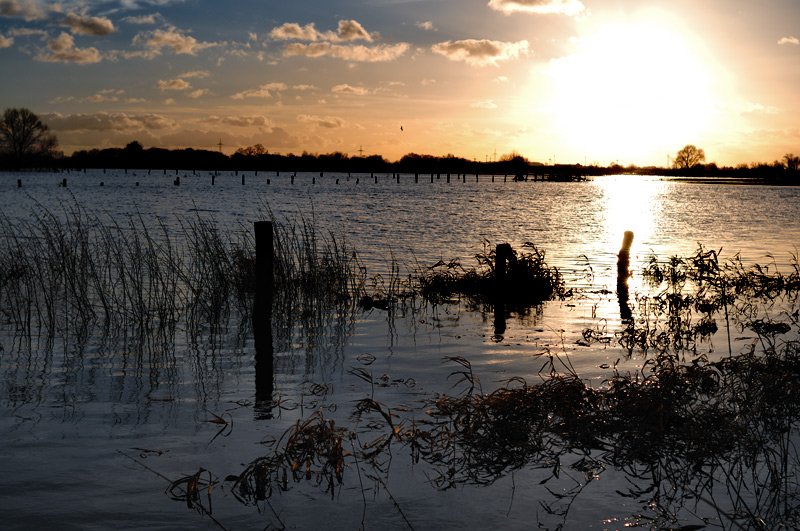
<point>566,80</point>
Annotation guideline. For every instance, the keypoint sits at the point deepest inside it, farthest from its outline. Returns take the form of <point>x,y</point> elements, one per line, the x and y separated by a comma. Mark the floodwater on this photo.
<point>91,435</point>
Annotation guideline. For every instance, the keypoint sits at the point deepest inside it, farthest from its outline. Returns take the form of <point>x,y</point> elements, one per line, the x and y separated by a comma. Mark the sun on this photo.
<point>632,89</point>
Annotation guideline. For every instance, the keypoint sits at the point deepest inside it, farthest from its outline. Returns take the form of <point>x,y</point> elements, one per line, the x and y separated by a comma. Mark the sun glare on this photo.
<point>632,90</point>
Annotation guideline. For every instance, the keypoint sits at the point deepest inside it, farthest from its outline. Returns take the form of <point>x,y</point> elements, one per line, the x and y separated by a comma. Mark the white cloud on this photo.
<point>6,42</point>
<point>143,19</point>
<point>199,74</point>
<point>757,108</point>
<point>264,91</point>
<point>329,43</point>
<point>199,93</point>
<point>62,50</point>
<point>26,9</point>
<point>481,52</point>
<point>240,121</point>
<point>28,32</point>
<point>106,96</point>
<point>170,38</point>
<point>174,84</point>
<point>789,40</point>
<point>484,104</point>
<point>349,89</point>
<point>426,25</point>
<point>103,121</point>
<point>538,7</point>
<point>348,31</point>
<point>328,122</point>
<point>360,53</point>
<point>84,25</point>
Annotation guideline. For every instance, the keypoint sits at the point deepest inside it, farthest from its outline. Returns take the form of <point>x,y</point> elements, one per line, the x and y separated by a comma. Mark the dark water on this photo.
<point>92,434</point>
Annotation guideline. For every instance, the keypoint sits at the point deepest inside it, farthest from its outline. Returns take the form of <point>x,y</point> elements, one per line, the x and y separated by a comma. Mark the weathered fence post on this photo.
<point>504,260</point>
<point>262,317</point>
<point>623,273</point>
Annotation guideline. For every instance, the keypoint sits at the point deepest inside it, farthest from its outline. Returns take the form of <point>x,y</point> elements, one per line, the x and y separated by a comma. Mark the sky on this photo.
<point>557,81</point>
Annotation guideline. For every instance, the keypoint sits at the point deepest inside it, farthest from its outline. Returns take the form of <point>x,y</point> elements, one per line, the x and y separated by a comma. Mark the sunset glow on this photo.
<point>558,80</point>
<point>629,88</point>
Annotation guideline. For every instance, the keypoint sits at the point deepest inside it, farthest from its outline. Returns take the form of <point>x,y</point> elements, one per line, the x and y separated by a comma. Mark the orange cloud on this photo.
<point>481,52</point>
<point>62,50</point>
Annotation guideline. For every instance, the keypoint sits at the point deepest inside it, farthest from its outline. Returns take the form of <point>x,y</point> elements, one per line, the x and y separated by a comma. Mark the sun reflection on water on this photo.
<point>631,203</point>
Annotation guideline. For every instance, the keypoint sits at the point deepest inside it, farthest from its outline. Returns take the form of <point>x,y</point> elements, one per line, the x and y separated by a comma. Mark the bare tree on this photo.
<point>24,135</point>
<point>689,157</point>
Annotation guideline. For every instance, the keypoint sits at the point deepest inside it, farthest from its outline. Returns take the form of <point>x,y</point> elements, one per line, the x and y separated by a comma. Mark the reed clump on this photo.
<point>527,278</point>
<point>311,450</point>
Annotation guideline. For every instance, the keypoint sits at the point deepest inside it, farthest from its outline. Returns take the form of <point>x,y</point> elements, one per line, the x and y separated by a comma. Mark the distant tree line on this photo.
<point>26,142</point>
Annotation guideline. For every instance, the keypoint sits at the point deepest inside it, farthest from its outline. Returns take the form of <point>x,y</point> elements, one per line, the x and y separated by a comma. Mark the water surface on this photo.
<point>93,433</point>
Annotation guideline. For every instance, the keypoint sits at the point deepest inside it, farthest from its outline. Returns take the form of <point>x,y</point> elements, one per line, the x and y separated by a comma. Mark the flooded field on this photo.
<point>404,415</point>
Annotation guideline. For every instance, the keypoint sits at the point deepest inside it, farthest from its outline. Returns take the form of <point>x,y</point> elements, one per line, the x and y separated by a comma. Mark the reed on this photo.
<point>64,272</point>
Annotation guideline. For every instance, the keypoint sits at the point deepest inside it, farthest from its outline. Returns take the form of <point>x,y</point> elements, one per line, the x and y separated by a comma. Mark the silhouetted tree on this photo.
<point>791,162</point>
<point>689,157</point>
<point>252,151</point>
<point>134,148</point>
<point>23,136</point>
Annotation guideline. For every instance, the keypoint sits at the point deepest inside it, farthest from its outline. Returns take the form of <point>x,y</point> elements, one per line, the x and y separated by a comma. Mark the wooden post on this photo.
<point>19,183</point>
<point>623,273</point>
<point>242,178</point>
<point>624,257</point>
<point>64,182</point>
<point>262,318</point>
<point>503,268</point>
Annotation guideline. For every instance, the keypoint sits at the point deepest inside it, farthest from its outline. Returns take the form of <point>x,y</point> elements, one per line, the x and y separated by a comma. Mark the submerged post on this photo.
<point>262,317</point>
<point>623,273</point>
<point>503,267</point>
<point>503,256</point>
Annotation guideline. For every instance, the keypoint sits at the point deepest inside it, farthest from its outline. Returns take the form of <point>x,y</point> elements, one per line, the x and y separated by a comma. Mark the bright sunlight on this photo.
<point>633,88</point>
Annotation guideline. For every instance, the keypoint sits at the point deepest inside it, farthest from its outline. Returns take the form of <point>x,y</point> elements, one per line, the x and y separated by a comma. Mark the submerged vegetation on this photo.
<point>701,442</point>
<point>64,273</point>
<point>704,429</point>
